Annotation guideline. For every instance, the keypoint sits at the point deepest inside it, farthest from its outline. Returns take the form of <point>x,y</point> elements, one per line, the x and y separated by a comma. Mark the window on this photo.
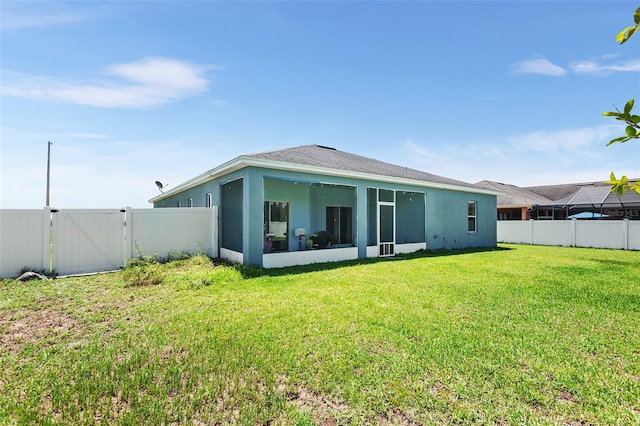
<point>190,202</point>
<point>386,195</point>
<point>340,224</point>
<point>179,204</point>
<point>208,201</point>
<point>276,226</point>
<point>472,217</point>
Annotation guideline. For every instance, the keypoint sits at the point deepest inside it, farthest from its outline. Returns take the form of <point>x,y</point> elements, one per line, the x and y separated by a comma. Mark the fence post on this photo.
<point>128,244</point>
<point>625,234</point>
<point>214,231</point>
<point>531,231</point>
<point>574,221</point>
<point>46,239</point>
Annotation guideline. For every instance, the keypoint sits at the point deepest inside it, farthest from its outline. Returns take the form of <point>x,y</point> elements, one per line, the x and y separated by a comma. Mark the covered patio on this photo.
<point>310,222</point>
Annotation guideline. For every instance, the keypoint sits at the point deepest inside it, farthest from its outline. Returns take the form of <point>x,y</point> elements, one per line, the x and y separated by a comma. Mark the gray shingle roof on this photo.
<point>586,194</point>
<point>559,192</point>
<point>514,196</point>
<point>321,156</point>
<point>326,158</point>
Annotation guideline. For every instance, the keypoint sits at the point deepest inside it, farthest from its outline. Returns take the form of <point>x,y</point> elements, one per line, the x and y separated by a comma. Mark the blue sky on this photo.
<point>133,92</point>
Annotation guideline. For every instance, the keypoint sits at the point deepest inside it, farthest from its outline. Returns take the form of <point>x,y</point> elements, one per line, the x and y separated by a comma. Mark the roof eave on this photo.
<point>247,161</point>
<point>281,165</point>
<point>221,170</point>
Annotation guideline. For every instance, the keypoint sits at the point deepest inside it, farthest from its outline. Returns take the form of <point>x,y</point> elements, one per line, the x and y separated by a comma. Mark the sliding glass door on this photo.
<point>340,224</point>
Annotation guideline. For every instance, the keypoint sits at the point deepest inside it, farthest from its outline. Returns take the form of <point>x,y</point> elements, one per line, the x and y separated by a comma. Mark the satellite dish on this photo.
<point>159,185</point>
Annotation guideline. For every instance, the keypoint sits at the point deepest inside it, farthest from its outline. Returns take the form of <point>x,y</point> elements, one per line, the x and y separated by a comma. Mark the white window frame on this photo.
<point>209,200</point>
<point>473,217</point>
<point>190,202</point>
<point>179,203</point>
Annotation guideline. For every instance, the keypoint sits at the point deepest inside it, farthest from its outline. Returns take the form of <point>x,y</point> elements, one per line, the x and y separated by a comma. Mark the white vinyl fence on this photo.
<point>613,234</point>
<point>74,241</point>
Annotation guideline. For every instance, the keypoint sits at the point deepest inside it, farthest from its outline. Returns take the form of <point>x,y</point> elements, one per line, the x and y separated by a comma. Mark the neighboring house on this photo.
<point>315,204</point>
<point>592,200</point>
<point>587,200</point>
<point>514,203</point>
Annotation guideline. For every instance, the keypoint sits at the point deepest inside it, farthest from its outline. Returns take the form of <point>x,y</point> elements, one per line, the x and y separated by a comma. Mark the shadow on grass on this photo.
<point>254,271</point>
<point>616,262</point>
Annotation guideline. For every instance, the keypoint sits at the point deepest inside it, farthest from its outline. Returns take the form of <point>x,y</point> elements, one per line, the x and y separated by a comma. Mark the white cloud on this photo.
<point>527,159</point>
<point>538,66</point>
<point>421,152</point>
<point>604,65</point>
<point>42,21</point>
<point>495,153</point>
<point>27,15</point>
<point>145,83</point>
<point>570,140</point>
<point>555,177</point>
<point>593,67</point>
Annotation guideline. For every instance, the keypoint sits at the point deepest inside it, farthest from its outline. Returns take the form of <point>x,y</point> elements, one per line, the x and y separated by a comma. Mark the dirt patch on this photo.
<point>328,412</point>
<point>567,397</point>
<point>398,417</point>
<point>18,328</point>
<point>324,411</point>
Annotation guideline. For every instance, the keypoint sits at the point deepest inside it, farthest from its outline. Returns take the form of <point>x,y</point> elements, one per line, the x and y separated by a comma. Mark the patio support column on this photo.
<point>361,221</point>
<point>252,207</point>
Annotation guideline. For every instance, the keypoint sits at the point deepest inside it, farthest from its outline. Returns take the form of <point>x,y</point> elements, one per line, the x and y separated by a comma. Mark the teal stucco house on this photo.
<point>313,204</point>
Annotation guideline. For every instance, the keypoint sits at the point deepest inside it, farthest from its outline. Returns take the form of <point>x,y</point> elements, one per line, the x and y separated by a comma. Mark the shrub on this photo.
<point>199,271</point>
<point>143,271</point>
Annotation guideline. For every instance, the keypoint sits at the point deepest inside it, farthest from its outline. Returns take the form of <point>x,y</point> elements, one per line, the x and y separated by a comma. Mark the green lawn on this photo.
<point>518,335</point>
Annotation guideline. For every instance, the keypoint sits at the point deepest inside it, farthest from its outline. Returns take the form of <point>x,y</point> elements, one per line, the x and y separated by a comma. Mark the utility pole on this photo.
<point>48,170</point>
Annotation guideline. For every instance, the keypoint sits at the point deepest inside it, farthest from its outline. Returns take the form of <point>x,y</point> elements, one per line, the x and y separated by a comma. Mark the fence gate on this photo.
<point>86,241</point>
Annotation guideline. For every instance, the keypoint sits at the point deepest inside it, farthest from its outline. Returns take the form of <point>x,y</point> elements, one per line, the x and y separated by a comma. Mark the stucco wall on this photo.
<point>447,220</point>
<point>445,216</point>
<point>198,194</point>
